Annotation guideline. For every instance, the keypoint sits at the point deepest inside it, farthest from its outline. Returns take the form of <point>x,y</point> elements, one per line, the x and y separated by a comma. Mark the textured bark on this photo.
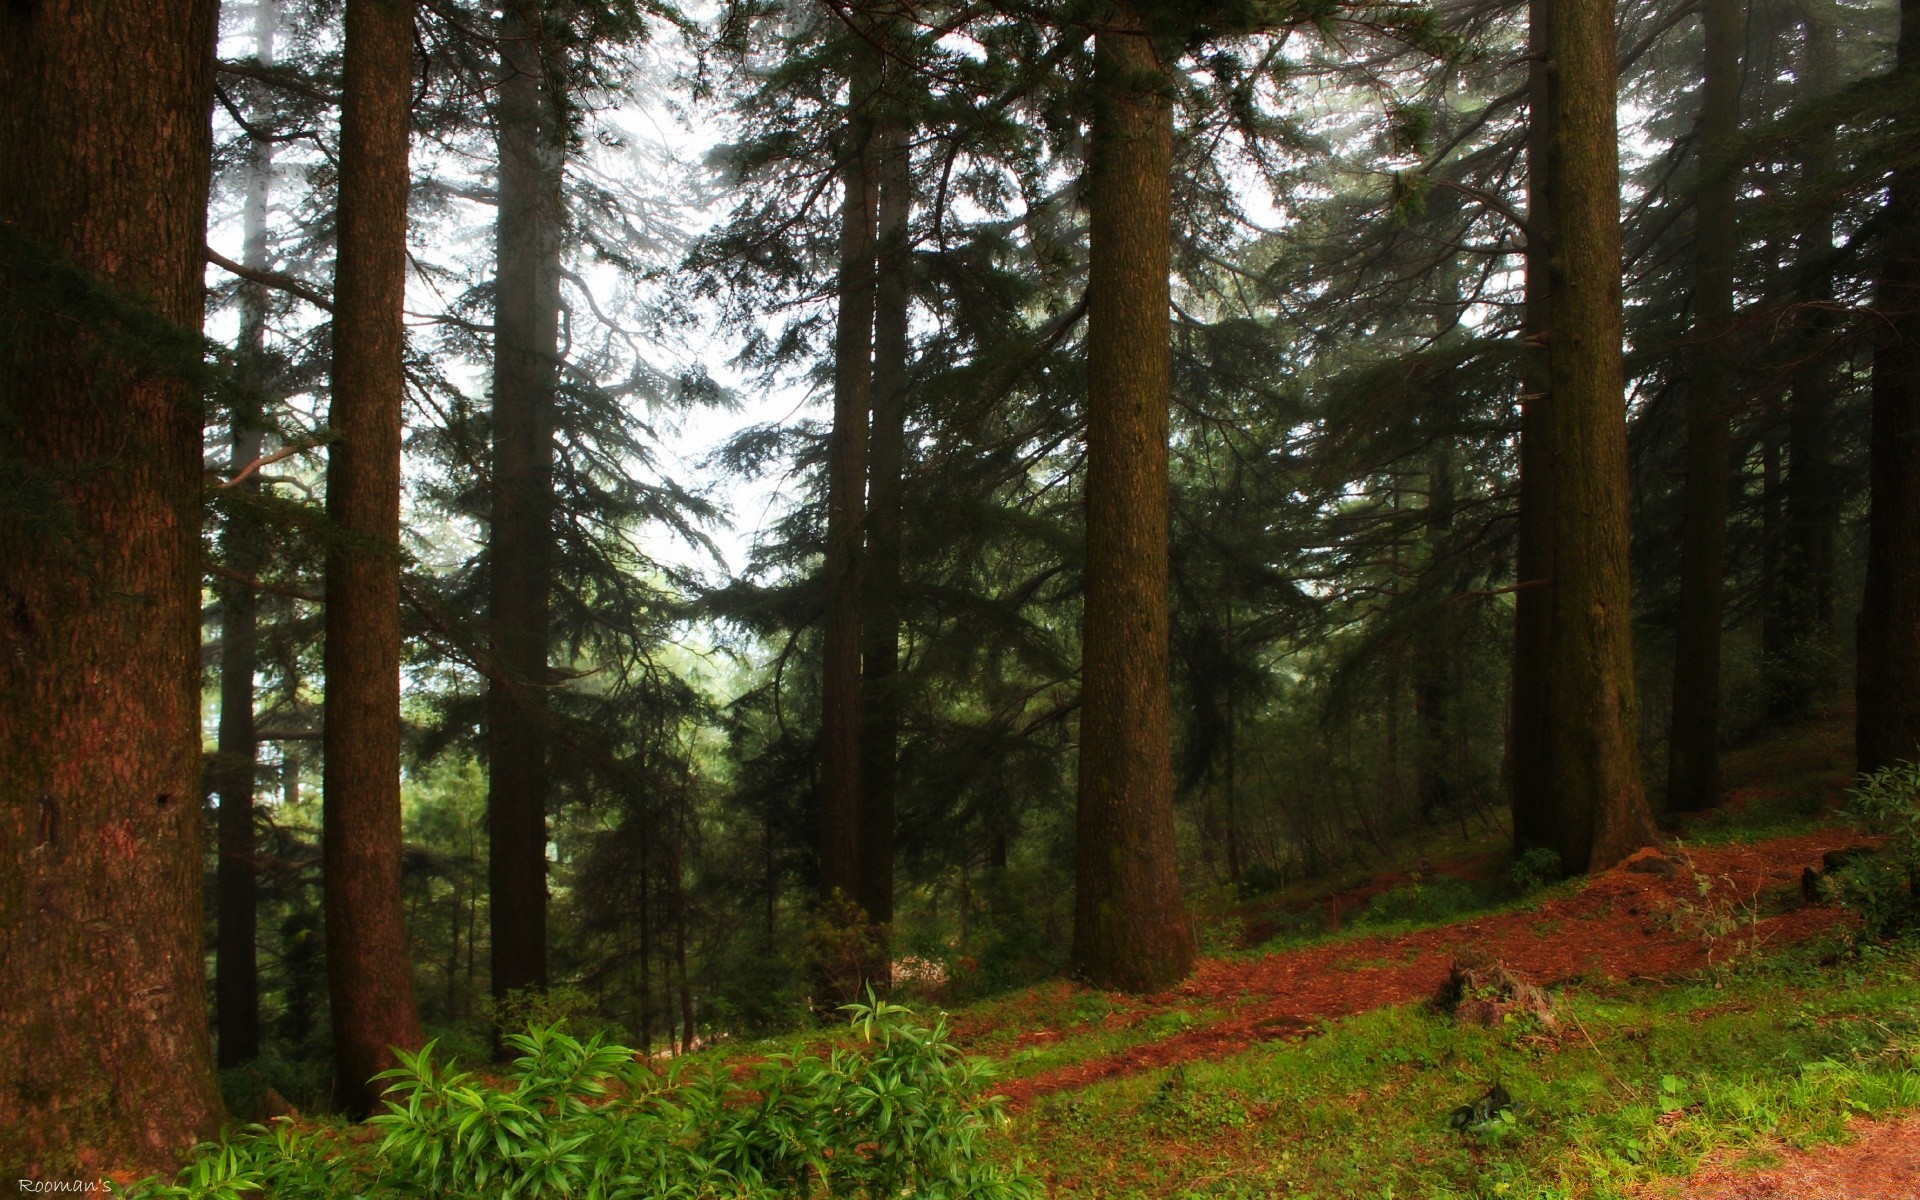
<point>1529,742</point>
<point>369,976</point>
<point>1693,759</point>
<point>1800,658</point>
<point>520,550</point>
<point>105,1062</point>
<point>236,973</point>
<point>1594,778</point>
<point>1887,683</point>
<point>846,502</point>
<point>1130,928</point>
<point>880,658</point>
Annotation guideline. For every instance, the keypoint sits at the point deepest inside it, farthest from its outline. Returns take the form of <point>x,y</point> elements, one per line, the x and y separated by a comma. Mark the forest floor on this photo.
<point>1704,1027</point>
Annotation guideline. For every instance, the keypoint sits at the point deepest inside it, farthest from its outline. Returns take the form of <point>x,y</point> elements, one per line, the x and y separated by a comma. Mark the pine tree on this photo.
<point>1887,687</point>
<point>1130,929</point>
<point>369,972</point>
<point>531,143</point>
<point>1594,776</point>
<point>105,1060</point>
<point>1693,763</point>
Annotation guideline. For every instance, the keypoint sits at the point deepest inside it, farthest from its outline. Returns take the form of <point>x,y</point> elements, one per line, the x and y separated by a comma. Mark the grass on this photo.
<point>1642,1081</point>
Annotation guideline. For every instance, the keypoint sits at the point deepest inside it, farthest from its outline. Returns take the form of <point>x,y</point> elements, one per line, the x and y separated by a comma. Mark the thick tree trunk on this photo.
<point>840,732</point>
<point>236,975</point>
<point>1600,808</point>
<point>520,551</point>
<point>105,147</point>
<point>880,660</point>
<point>1130,926</point>
<point>369,975</point>
<point>1693,758</point>
<point>1887,683</point>
<point>1800,665</point>
<point>1529,744</point>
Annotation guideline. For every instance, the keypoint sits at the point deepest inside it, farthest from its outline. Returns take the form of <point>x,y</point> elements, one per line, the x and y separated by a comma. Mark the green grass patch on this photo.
<point>1642,1081</point>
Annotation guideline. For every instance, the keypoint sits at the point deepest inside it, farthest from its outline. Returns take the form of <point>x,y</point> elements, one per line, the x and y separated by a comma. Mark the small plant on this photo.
<point>898,1112</point>
<point>1535,868</point>
<point>1884,887</point>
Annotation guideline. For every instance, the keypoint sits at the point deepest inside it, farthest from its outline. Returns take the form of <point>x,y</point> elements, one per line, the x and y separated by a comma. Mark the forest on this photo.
<point>959,598</point>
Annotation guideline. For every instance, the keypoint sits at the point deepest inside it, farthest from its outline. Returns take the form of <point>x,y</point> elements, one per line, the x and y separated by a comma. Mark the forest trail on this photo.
<point>1660,915</point>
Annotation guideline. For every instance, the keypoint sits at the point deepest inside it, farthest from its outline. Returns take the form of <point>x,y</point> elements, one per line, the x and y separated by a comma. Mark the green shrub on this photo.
<point>896,1114</point>
<point>1884,888</point>
<point>1436,899</point>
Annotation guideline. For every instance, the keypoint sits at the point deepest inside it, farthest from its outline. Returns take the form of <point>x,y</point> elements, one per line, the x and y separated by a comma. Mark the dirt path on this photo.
<point>1646,918</point>
<point>1881,1163</point>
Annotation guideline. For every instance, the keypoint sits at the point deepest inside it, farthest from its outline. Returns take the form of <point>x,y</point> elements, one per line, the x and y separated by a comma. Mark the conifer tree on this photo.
<point>105,141</point>
<point>369,971</point>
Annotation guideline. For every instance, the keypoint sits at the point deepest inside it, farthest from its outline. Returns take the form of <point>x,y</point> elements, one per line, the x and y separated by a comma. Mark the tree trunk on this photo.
<point>105,144</point>
<point>1887,685</point>
<point>1130,928</point>
<point>880,660</point>
<point>1594,778</point>
<point>369,975</point>
<point>526,338</point>
<point>1433,664</point>
<point>1529,757</point>
<point>237,977</point>
<point>1693,759</point>
<point>840,734</point>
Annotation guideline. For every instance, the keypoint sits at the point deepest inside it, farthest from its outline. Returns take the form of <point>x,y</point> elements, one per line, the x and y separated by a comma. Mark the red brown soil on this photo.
<point>1645,919</point>
<point>1882,1162</point>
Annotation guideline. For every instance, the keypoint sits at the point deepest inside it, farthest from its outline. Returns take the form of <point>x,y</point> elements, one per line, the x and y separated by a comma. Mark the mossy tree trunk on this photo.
<point>105,146</point>
<point>1600,809</point>
<point>1131,929</point>
<point>369,974</point>
<point>1693,759</point>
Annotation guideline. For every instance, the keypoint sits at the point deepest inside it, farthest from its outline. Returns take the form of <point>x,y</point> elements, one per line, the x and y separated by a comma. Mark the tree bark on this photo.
<point>369,975</point>
<point>105,143</point>
<point>1887,683</point>
<point>1693,758</point>
<point>1130,928</point>
<point>237,977</point>
<point>1600,808</point>
<point>840,734</point>
<point>880,659</point>
<point>520,578</point>
<point>1529,744</point>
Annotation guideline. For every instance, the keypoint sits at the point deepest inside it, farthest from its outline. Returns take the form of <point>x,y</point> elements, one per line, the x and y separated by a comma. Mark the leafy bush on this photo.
<point>1436,899</point>
<point>896,1114</point>
<point>1884,888</point>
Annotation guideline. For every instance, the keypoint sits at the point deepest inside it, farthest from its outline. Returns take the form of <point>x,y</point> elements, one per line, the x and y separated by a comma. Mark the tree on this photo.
<point>1530,728</point>
<point>104,1054</point>
<point>841,723</point>
<point>1887,686</point>
<point>236,762</point>
<point>1130,927</point>
<point>369,973</point>
<point>880,656</point>
<point>1594,776</point>
<point>1693,762</point>
<point>531,143</point>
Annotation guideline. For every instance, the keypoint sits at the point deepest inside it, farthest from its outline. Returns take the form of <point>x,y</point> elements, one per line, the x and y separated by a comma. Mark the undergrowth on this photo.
<point>896,1113</point>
